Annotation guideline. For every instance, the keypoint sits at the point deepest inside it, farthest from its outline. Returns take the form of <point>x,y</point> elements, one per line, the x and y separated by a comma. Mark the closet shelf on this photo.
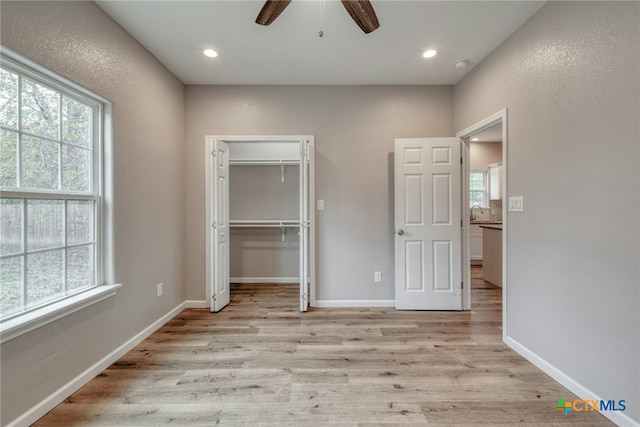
<point>275,223</point>
<point>268,162</point>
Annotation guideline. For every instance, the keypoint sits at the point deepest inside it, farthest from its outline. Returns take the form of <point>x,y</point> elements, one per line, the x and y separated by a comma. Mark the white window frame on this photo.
<point>27,320</point>
<point>485,192</point>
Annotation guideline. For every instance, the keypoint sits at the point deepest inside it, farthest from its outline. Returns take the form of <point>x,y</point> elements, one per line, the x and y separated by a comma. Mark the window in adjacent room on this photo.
<point>478,188</point>
<point>51,221</point>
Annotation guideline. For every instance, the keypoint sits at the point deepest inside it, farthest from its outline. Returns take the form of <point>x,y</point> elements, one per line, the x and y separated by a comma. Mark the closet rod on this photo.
<point>264,223</point>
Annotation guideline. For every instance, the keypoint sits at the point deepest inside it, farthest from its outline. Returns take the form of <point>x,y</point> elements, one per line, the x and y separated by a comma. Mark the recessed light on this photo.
<point>210,53</point>
<point>429,53</point>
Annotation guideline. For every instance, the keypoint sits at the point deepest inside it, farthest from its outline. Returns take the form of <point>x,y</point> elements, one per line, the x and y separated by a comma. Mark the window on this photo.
<point>51,154</point>
<point>478,188</point>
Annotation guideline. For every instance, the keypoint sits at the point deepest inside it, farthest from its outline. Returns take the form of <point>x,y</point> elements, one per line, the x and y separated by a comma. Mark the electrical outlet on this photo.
<point>377,277</point>
<point>159,289</point>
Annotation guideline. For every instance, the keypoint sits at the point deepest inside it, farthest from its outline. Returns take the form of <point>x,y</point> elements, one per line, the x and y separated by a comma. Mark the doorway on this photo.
<point>283,160</point>
<point>492,128</point>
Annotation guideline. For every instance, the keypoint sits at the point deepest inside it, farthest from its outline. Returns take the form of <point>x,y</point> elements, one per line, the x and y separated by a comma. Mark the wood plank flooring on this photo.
<point>260,362</point>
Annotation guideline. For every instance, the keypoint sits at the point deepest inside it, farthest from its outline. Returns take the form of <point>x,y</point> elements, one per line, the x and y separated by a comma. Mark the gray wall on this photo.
<point>79,41</point>
<point>570,78</point>
<point>257,193</point>
<point>354,128</point>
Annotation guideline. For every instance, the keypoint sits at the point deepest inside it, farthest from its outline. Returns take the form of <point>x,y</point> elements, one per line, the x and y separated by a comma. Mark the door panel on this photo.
<point>441,199</point>
<point>442,266</point>
<point>220,292</point>
<point>414,206</point>
<point>427,222</point>
<point>304,226</point>
<point>414,265</point>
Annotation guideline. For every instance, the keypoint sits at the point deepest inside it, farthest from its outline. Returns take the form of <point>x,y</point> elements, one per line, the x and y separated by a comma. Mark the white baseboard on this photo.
<point>279,280</point>
<point>196,304</point>
<point>40,409</point>
<point>619,418</point>
<point>354,303</point>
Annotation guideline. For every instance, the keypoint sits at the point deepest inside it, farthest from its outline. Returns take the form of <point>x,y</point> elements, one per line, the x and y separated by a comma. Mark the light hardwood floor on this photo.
<point>261,362</point>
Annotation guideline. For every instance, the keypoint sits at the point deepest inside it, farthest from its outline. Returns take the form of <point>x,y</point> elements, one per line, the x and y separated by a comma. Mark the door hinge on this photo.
<point>304,297</point>
<point>214,297</point>
<point>214,224</point>
<point>460,160</point>
<point>462,285</point>
<point>213,153</point>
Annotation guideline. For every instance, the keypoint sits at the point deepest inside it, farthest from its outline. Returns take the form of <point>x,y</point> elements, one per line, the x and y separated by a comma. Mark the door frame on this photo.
<point>464,135</point>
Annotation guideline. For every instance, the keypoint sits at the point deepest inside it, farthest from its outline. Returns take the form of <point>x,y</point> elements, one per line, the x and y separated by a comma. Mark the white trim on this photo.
<point>498,117</point>
<point>196,304</point>
<point>26,322</point>
<point>355,303</point>
<point>61,82</point>
<point>54,399</point>
<point>619,418</point>
<point>280,280</point>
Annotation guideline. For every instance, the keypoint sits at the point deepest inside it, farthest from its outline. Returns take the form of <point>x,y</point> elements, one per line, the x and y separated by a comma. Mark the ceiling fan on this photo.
<point>361,12</point>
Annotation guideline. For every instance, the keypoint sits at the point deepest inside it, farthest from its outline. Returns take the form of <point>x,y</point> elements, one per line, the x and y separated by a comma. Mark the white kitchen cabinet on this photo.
<point>475,244</point>
<point>495,181</point>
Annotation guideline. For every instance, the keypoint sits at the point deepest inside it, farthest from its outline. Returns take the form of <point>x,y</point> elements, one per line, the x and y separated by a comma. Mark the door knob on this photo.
<point>400,232</point>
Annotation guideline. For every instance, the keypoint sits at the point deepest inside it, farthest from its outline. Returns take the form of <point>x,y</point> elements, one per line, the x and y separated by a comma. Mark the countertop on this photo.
<point>496,225</point>
<point>491,226</point>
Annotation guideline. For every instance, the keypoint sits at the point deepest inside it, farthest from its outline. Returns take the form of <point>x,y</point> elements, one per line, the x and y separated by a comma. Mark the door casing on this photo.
<point>308,141</point>
<point>464,135</point>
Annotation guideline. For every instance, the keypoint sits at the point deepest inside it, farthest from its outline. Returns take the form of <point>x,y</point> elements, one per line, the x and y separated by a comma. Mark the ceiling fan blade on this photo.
<point>271,10</point>
<point>363,14</point>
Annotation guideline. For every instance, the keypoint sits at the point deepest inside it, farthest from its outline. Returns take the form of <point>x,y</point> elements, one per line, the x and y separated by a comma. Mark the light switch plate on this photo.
<point>516,204</point>
<point>320,204</point>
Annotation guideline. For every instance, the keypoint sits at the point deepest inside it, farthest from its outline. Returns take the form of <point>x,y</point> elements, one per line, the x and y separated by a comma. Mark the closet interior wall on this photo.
<point>269,194</point>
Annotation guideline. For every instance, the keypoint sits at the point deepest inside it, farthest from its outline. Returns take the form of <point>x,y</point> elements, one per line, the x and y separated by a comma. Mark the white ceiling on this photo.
<point>491,134</point>
<point>289,51</point>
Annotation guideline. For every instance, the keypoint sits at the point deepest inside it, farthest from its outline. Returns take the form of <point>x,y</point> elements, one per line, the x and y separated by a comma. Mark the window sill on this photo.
<point>13,328</point>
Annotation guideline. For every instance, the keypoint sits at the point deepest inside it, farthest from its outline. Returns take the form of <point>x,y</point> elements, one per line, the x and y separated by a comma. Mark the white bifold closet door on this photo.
<point>220,226</point>
<point>254,151</point>
<point>304,225</point>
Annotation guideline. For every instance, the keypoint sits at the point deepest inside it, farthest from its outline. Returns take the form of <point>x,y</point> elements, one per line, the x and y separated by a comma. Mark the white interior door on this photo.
<point>428,236</point>
<point>220,245</point>
<point>304,225</point>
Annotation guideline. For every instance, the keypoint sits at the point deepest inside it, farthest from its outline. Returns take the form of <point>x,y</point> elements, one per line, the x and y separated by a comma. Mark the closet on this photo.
<point>259,221</point>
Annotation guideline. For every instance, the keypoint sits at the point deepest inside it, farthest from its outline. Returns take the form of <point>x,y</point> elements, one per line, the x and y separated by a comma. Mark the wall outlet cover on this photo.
<point>516,204</point>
